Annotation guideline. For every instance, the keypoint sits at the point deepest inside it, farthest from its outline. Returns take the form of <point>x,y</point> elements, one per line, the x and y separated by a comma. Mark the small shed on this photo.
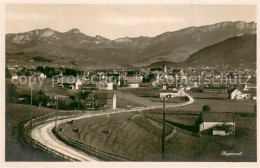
<point>134,85</point>
<point>220,131</point>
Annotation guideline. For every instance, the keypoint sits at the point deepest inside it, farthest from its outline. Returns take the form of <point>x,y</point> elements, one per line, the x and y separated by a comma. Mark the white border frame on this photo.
<point>114,164</point>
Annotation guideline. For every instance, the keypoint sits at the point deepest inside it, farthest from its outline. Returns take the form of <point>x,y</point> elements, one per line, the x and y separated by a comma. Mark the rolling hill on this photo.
<point>239,50</point>
<point>177,46</point>
<point>75,49</point>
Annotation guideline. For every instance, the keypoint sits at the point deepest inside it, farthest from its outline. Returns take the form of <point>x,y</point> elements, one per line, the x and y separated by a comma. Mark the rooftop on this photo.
<point>168,91</point>
<point>216,117</point>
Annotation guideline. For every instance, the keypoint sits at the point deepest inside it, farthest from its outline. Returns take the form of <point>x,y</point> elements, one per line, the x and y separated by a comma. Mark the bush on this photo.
<point>11,94</point>
<point>62,105</point>
<point>41,59</point>
<point>205,108</point>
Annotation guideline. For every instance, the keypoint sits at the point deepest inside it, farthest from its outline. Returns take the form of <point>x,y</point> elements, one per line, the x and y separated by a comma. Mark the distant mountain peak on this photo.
<point>98,37</point>
<point>123,40</point>
<point>175,46</point>
<point>47,28</point>
<point>47,32</point>
<point>74,30</point>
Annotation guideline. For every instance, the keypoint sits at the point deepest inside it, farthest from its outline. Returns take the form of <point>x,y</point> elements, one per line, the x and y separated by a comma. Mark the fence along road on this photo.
<point>43,133</point>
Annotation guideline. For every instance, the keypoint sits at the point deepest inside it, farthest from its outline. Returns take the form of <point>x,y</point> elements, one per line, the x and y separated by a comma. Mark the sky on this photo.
<point>121,20</point>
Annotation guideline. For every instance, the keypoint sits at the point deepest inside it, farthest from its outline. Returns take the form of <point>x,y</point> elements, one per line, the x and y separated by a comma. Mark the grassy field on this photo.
<point>209,95</point>
<point>169,100</point>
<point>244,141</point>
<point>221,105</point>
<point>24,89</point>
<point>127,138</point>
<point>14,149</point>
<point>142,92</point>
<point>151,94</point>
<point>121,103</point>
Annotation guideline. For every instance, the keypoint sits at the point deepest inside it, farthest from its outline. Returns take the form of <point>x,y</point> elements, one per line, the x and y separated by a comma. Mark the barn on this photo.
<point>217,122</point>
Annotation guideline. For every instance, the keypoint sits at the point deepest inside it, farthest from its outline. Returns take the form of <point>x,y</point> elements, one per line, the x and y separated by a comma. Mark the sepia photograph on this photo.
<point>111,82</point>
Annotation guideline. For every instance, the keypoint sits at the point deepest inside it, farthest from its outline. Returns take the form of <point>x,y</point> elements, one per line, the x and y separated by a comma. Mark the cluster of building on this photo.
<point>102,84</point>
<point>178,85</point>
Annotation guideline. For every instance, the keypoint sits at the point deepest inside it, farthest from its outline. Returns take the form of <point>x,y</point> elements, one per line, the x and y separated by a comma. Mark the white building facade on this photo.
<point>237,94</point>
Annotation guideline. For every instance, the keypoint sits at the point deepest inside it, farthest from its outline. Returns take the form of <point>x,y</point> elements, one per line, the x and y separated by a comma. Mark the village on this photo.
<point>120,89</point>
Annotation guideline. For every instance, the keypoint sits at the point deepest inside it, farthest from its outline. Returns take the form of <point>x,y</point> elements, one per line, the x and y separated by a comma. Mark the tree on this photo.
<point>84,95</point>
<point>71,72</point>
<point>27,73</point>
<point>11,94</point>
<point>40,69</point>
<point>74,105</point>
<point>41,99</point>
<point>149,78</point>
<point>7,73</point>
<point>62,105</point>
<point>205,108</point>
<point>41,92</point>
<point>50,72</point>
<point>185,98</point>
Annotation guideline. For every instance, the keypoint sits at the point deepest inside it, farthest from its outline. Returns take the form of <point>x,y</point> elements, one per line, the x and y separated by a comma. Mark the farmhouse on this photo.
<point>217,122</point>
<point>237,94</point>
<point>102,100</point>
<point>172,93</point>
<point>134,78</point>
<point>105,86</point>
<point>69,82</point>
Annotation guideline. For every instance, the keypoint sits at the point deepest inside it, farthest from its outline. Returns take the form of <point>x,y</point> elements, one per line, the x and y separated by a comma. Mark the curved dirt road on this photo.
<point>43,133</point>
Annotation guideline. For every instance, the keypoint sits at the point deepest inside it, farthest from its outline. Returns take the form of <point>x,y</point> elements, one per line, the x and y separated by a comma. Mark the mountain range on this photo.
<point>191,45</point>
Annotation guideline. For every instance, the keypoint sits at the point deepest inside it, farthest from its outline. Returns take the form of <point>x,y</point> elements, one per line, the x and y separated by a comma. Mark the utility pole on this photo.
<point>163,127</point>
<point>78,100</point>
<point>98,99</point>
<point>56,111</point>
<point>31,106</point>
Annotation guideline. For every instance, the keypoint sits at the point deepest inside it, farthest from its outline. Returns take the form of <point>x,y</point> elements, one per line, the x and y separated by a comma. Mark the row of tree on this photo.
<point>41,99</point>
<point>48,71</point>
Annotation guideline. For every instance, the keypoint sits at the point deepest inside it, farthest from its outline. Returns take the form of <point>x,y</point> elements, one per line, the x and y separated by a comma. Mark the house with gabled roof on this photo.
<point>102,100</point>
<point>236,94</point>
<point>215,120</point>
<point>172,93</point>
<point>69,82</point>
